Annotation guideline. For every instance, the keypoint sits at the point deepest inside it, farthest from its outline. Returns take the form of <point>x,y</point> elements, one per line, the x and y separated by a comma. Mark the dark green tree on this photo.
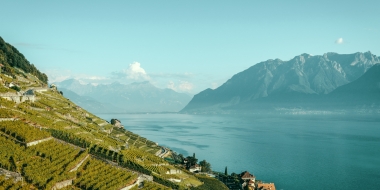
<point>191,161</point>
<point>206,167</point>
<point>225,171</point>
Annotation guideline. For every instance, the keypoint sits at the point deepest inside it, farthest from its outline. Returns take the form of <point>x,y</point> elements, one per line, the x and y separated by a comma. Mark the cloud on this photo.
<point>186,86</point>
<point>171,85</point>
<point>183,86</point>
<point>214,85</point>
<point>339,41</point>
<point>58,75</point>
<point>182,76</point>
<point>133,72</point>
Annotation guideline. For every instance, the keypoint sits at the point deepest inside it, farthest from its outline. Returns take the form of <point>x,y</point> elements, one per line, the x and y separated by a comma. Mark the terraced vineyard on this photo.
<point>10,184</point>
<point>82,150</point>
<point>49,163</point>
<point>99,175</point>
<point>22,132</point>
<point>152,186</point>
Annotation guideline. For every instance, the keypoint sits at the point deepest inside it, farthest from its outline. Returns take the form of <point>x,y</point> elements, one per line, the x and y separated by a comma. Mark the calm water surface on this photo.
<point>295,152</point>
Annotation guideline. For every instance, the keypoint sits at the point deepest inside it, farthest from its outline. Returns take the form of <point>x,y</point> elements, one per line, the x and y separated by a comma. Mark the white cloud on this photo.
<point>339,41</point>
<point>214,85</point>
<point>133,72</point>
<point>58,75</point>
<point>186,86</point>
<point>183,86</point>
<point>136,72</point>
<point>171,85</point>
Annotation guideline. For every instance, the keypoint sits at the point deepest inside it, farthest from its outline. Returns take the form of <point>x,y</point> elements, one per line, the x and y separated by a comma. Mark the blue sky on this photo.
<point>184,45</point>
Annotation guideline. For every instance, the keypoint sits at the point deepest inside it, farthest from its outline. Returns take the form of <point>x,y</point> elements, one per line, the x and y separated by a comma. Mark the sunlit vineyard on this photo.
<point>6,184</point>
<point>110,157</point>
<point>11,153</point>
<point>151,186</point>
<point>99,175</point>
<point>22,132</point>
<point>49,163</point>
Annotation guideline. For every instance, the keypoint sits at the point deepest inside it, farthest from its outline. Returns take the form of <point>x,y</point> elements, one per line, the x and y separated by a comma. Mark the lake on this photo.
<point>293,151</point>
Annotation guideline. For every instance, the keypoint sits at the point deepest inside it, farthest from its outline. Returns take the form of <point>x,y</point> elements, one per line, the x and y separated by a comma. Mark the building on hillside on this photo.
<point>29,92</point>
<point>247,176</point>
<point>247,179</point>
<point>195,168</point>
<point>266,186</point>
<point>53,86</point>
<point>174,171</point>
<point>116,123</point>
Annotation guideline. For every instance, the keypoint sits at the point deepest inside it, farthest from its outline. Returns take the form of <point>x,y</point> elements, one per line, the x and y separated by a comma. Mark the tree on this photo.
<point>16,88</point>
<point>206,167</point>
<point>61,93</point>
<point>225,171</point>
<point>191,161</point>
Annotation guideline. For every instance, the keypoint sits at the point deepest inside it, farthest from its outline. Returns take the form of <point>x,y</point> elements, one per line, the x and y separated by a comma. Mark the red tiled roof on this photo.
<point>246,175</point>
<point>266,186</point>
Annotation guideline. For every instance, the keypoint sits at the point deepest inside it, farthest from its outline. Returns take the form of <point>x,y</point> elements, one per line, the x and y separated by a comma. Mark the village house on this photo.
<point>195,168</point>
<point>266,186</point>
<point>247,179</point>
<point>174,171</point>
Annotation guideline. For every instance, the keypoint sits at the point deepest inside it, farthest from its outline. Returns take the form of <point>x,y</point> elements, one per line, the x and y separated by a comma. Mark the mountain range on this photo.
<point>306,81</point>
<point>117,97</point>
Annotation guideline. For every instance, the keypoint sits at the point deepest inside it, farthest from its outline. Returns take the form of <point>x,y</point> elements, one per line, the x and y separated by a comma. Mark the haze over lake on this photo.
<point>294,151</point>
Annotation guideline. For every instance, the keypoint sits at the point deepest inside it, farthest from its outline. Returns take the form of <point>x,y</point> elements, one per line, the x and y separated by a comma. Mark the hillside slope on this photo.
<point>47,142</point>
<point>364,91</point>
<point>10,57</point>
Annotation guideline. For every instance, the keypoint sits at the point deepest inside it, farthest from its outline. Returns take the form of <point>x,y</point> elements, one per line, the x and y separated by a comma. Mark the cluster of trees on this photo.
<point>22,131</point>
<point>192,160</point>
<point>99,175</point>
<point>10,57</point>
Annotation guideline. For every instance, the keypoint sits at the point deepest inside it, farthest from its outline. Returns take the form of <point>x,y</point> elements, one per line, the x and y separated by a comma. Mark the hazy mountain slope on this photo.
<point>283,80</point>
<point>89,103</point>
<point>364,91</point>
<point>135,97</point>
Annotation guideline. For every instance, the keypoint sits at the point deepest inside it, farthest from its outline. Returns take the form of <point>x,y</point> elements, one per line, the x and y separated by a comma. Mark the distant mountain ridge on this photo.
<point>89,103</point>
<point>300,78</point>
<point>134,97</point>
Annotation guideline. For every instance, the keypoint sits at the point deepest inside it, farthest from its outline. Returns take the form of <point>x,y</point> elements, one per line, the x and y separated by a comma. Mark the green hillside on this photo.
<point>10,58</point>
<point>51,143</point>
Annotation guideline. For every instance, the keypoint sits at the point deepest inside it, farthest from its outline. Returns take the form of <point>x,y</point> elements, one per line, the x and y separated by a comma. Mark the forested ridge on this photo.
<point>10,57</point>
